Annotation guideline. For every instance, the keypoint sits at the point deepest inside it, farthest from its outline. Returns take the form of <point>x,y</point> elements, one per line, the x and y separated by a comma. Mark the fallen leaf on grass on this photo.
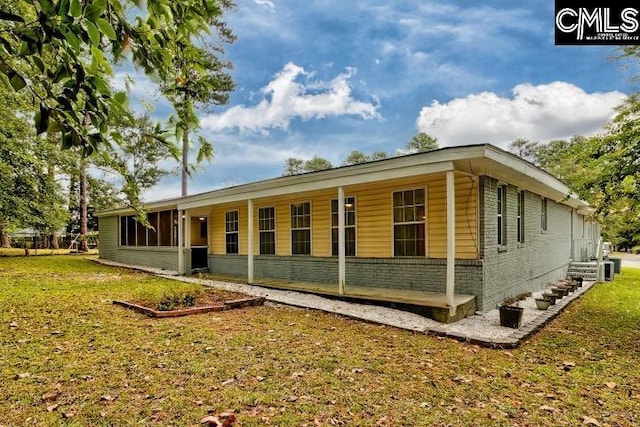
<point>50,396</point>
<point>52,408</point>
<point>549,409</point>
<point>356,370</point>
<point>462,380</point>
<point>22,376</point>
<point>226,419</point>
<point>68,414</point>
<point>297,374</point>
<point>229,381</point>
<point>610,385</point>
<point>107,398</point>
<point>590,421</point>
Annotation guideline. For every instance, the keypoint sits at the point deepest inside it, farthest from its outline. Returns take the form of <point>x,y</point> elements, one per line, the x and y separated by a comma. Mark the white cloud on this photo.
<point>285,98</point>
<point>267,4</point>
<point>541,113</point>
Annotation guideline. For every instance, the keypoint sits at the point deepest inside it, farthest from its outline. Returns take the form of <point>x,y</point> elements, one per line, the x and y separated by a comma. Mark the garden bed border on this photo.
<point>227,305</point>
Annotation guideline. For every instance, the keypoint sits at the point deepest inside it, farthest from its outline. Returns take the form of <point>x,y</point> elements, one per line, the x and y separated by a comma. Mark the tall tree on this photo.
<point>18,164</point>
<point>293,166</point>
<point>356,157</point>
<point>317,164</point>
<point>197,80</point>
<point>422,142</point>
<point>379,155</point>
<point>524,148</point>
<point>60,53</point>
<point>141,155</point>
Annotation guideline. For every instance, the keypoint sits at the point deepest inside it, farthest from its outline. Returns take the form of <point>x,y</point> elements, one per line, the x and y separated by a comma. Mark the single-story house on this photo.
<point>455,230</point>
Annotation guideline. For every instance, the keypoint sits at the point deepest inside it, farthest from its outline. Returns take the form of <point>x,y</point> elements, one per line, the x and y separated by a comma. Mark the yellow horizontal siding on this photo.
<point>196,240</point>
<point>217,226</point>
<point>373,218</point>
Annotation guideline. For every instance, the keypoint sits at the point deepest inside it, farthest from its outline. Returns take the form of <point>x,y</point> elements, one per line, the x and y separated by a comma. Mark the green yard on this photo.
<point>70,357</point>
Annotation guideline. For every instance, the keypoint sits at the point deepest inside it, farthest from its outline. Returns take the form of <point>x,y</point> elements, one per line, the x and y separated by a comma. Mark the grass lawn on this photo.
<point>4,252</point>
<point>70,357</point>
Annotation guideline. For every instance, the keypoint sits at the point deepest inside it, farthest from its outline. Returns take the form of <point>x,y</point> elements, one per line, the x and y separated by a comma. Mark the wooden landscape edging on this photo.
<point>228,305</point>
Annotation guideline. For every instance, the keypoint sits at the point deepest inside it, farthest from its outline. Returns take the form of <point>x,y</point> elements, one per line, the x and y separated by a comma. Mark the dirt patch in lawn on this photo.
<point>187,302</point>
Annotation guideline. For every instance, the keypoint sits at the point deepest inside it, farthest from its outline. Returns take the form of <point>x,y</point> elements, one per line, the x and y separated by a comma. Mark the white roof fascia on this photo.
<point>270,188</point>
<point>150,207</point>
<point>537,174</point>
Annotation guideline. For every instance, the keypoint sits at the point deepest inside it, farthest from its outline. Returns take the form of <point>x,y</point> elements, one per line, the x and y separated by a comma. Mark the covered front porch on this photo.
<point>425,280</point>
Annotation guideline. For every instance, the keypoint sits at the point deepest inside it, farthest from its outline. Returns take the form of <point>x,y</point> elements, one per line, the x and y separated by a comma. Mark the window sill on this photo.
<point>502,249</point>
<point>520,245</point>
<point>544,231</point>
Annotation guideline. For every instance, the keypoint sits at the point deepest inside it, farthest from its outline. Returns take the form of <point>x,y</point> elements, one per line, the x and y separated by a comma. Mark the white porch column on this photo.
<point>187,229</point>
<point>341,237</point>
<point>180,245</point>
<point>451,241</point>
<point>250,241</point>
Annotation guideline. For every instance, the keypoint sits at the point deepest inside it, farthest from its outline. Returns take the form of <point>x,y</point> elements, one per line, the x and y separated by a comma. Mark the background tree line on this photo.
<point>56,62</point>
<point>421,142</point>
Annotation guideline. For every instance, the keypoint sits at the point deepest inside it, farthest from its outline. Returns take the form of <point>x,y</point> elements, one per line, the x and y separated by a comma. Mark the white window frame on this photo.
<point>520,217</point>
<point>310,228</point>
<point>228,233</point>
<point>423,221</point>
<point>260,231</point>
<point>544,214</point>
<point>335,227</point>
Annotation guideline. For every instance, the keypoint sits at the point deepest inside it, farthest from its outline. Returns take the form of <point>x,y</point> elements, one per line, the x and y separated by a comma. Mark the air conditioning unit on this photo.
<point>608,270</point>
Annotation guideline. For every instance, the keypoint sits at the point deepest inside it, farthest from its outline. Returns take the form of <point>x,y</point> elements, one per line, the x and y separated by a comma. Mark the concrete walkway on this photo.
<point>481,329</point>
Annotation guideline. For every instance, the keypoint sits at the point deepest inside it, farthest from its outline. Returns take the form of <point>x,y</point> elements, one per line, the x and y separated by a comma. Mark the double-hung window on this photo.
<point>502,215</point>
<point>231,232</point>
<point>267,230</point>
<point>301,228</point>
<point>409,223</point>
<point>349,226</point>
<point>520,217</point>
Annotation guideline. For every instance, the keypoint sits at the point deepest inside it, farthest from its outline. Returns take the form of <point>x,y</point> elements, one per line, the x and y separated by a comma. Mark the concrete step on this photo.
<point>584,263</point>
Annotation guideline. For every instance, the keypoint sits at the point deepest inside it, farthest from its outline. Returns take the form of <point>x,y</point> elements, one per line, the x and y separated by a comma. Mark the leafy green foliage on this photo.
<point>196,79</point>
<point>356,157</point>
<point>30,195</point>
<point>422,142</point>
<point>294,166</point>
<point>60,52</point>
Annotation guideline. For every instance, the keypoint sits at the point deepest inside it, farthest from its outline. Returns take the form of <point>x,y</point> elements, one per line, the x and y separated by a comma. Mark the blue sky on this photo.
<point>332,76</point>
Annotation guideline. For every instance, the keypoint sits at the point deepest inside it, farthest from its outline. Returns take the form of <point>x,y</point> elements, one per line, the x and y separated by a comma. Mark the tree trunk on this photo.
<point>4,237</point>
<point>82,246</point>
<point>185,160</point>
<point>55,241</point>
